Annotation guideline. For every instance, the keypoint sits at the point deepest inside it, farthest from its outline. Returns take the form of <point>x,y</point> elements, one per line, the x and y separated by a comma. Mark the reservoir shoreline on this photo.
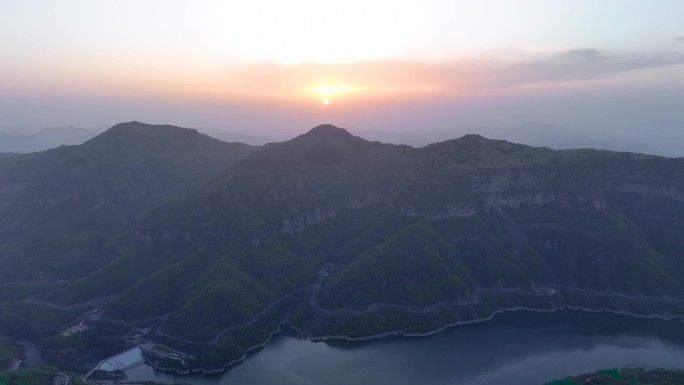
<point>561,343</point>
<point>403,334</point>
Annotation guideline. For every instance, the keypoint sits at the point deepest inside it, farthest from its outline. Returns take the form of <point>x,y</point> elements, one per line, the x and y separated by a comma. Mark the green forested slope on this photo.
<point>341,236</point>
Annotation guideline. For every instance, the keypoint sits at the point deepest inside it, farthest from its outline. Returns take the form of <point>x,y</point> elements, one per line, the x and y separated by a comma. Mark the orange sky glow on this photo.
<point>119,56</point>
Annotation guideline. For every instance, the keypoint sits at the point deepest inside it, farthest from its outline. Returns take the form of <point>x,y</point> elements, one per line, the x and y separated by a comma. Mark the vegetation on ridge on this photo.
<point>333,234</point>
<point>625,377</point>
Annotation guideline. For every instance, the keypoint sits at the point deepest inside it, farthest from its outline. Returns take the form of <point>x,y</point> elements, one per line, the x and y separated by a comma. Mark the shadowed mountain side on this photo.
<point>340,236</point>
<point>60,205</point>
<point>383,231</point>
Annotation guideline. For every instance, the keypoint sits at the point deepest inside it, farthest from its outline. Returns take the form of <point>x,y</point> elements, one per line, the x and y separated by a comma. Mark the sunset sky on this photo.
<point>265,67</point>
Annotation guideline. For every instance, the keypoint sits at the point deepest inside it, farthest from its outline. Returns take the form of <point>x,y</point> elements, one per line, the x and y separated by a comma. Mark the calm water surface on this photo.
<point>522,348</point>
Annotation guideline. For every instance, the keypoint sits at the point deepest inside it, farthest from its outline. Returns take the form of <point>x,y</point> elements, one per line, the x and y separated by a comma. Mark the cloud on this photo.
<point>680,38</point>
<point>579,65</point>
<point>467,74</point>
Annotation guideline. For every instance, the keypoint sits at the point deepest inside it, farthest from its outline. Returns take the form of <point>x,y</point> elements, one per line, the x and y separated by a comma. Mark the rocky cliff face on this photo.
<point>507,216</point>
<point>345,237</point>
<point>569,178</point>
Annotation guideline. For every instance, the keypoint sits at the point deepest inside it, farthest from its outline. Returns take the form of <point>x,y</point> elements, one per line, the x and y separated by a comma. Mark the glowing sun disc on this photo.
<point>325,101</point>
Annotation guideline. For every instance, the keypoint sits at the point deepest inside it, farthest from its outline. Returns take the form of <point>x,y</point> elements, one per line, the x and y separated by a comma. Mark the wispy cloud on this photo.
<point>466,74</point>
<point>578,65</point>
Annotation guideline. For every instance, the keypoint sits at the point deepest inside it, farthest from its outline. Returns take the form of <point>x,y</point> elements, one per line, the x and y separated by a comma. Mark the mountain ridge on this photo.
<point>341,237</point>
<point>44,139</point>
<point>101,185</point>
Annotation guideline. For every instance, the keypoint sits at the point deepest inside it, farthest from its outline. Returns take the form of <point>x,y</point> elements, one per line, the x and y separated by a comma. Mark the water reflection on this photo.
<point>514,348</point>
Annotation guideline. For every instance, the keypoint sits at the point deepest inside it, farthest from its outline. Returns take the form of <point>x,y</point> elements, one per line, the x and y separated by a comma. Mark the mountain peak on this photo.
<point>329,131</point>
<point>326,134</point>
<point>132,132</point>
<point>141,138</point>
<point>135,126</point>
<point>471,141</point>
<point>323,144</point>
<point>479,140</point>
<point>473,137</point>
<point>473,149</point>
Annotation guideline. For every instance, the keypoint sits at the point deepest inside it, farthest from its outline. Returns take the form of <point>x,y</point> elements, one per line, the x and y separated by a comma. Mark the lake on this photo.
<point>519,348</point>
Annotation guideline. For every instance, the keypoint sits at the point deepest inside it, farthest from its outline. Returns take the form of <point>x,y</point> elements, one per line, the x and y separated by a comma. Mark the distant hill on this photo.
<point>48,138</point>
<point>215,246</point>
<point>660,139</point>
<point>44,139</point>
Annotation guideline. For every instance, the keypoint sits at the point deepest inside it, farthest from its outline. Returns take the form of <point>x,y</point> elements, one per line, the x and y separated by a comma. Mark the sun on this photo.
<point>325,93</point>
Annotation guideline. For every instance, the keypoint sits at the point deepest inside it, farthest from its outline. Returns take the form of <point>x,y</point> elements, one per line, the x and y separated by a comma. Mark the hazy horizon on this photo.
<point>613,69</point>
